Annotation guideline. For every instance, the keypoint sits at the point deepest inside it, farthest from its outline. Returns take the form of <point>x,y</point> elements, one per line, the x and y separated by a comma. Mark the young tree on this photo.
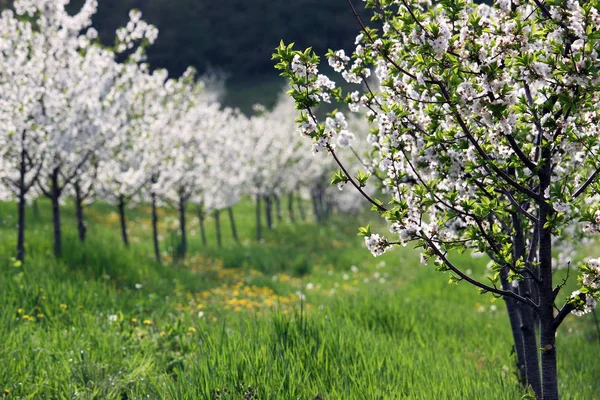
<point>193,139</point>
<point>486,135</point>
<point>22,149</point>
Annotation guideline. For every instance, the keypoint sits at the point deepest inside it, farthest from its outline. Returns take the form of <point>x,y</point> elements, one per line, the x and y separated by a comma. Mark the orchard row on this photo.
<point>85,121</point>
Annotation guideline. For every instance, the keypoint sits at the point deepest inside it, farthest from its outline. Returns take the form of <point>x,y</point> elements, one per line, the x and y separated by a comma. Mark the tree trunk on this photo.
<point>278,208</point>
<point>81,228</point>
<point>201,217</point>
<point>530,343</point>
<point>269,211</point>
<point>21,205</point>
<point>525,312</point>
<point>55,197</point>
<point>21,226</point>
<point>546,313</point>
<point>514,318</point>
<point>301,209</point>
<point>546,291</point>
<point>36,209</point>
<point>315,204</point>
<point>232,223</point>
<point>291,207</point>
<point>182,227</point>
<point>155,227</point>
<point>123,220</point>
<point>217,215</point>
<point>258,219</point>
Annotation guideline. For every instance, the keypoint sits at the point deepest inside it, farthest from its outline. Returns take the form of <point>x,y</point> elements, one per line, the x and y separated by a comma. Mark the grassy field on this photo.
<point>306,314</point>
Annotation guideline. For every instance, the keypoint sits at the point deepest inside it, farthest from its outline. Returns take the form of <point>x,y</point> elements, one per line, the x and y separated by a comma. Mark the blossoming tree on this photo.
<point>486,129</point>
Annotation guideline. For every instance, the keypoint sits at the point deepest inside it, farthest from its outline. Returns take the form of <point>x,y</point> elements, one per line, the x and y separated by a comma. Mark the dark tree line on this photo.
<point>234,36</point>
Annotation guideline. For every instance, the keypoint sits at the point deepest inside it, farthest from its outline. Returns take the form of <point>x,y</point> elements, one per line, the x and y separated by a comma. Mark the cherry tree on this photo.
<point>56,95</point>
<point>192,140</point>
<point>486,123</point>
<point>127,162</point>
<point>271,158</point>
<point>22,147</point>
<point>224,181</point>
<point>71,107</point>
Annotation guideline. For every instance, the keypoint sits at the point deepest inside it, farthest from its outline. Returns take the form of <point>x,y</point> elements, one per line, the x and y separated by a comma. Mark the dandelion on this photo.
<point>113,318</point>
<point>63,306</point>
<point>354,269</point>
<point>300,295</point>
<point>192,329</point>
<point>200,314</point>
<point>147,322</point>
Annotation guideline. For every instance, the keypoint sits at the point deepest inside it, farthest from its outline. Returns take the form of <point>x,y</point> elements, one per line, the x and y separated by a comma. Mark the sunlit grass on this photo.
<point>306,313</point>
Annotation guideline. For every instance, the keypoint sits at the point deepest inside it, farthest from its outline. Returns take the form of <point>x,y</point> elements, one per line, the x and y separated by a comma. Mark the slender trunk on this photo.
<point>232,223</point>
<point>269,211</point>
<point>201,217</point>
<point>123,220</point>
<point>514,318</point>
<point>278,208</point>
<point>182,204</point>
<point>291,207</point>
<point>81,228</point>
<point>315,204</point>
<point>546,314</point>
<point>301,209</point>
<point>217,215</point>
<point>21,205</point>
<point>546,292</point>
<point>525,312</point>
<point>21,227</point>
<point>530,343</point>
<point>55,192</point>
<point>36,209</point>
<point>155,227</point>
<point>258,218</point>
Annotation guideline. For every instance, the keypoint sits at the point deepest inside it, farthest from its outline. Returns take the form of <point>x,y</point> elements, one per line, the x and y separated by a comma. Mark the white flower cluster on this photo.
<point>339,61</point>
<point>587,307</point>
<point>376,244</point>
<point>594,225</point>
<point>591,278</point>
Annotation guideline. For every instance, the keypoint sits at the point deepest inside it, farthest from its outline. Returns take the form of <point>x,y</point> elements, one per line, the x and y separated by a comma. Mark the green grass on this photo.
<point>392,330</point>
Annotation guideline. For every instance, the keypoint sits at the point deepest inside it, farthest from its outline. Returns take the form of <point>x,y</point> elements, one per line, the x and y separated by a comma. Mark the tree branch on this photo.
<point>475,282</point>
